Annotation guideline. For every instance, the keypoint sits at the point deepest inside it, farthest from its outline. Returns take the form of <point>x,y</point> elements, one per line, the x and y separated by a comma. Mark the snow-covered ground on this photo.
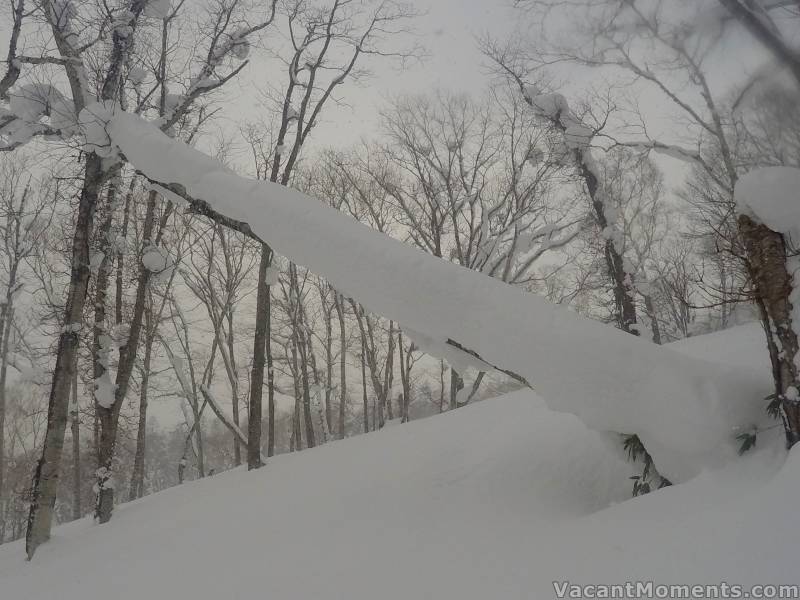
<point>496,500</point>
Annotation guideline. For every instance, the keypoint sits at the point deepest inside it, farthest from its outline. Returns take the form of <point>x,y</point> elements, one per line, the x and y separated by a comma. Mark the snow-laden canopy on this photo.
<point>687,412</point>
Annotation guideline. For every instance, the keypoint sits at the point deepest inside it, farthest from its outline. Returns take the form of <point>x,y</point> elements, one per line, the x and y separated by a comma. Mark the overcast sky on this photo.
<point>446,28</point>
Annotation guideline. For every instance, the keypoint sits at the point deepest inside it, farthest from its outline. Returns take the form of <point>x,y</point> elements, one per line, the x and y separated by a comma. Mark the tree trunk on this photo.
<point>109,416</point>
<point>100,358</point>
<point>441,385</point>
<point>456,384</point>
<point>364,385</point>
<point>388,376</point>
<point>328,367</point>
<point>309,422</point>
<point>270,381</point>
<point>45,480</point>
<point>6,315</point>
<point>297,436</point>
<point>260,341</point>
<point>651,314</point>
<point>77,511</point>
<point>137,477</point>
<point>405,378</point>
<point>342,364</point>
<point>766,251</point>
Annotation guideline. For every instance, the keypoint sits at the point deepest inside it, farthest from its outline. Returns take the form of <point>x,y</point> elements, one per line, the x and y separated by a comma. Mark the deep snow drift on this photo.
<point>686,412</point>
<point>495,500</point>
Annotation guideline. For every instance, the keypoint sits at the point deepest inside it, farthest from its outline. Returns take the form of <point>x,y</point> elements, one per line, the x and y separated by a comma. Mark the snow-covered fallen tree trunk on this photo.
<point>687,412</point>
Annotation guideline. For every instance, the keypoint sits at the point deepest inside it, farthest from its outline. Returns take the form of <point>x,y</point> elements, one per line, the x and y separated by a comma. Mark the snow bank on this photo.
<point>496,500</point>
<point>686,411</point>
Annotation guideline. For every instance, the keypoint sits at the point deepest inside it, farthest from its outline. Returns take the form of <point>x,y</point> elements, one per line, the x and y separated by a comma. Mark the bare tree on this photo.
<point>325,46</point>
<point>675,61</point>
<point>68,116</point>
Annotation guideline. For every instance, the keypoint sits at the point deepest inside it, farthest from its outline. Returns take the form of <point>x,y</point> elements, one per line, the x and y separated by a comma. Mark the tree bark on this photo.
<point>45,480</point>
<point>270,382</point>
<point>109,416</point>
<point>137,477</point>
<point>342,364</point>
<point>6,316</point>
<point>456,384</point>
<point>260,341</point>
<point>364,385</point>
<point>651,314</point>
<point>766,251</point>
<point>328,366</point>
<point>77,511</point>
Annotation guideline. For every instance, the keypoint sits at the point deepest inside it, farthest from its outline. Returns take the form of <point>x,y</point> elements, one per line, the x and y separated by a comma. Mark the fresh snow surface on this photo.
<point>686,411</point>
<point>495,500</point>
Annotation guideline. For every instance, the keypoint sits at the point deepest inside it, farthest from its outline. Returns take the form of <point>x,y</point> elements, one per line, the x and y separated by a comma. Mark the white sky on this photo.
<point>448,30</point>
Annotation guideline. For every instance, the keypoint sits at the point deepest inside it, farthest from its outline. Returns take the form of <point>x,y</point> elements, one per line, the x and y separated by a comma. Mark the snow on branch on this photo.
<point>611,380</point>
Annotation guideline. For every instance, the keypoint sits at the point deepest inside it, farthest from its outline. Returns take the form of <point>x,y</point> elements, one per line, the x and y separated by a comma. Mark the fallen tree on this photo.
<point>575,363</point>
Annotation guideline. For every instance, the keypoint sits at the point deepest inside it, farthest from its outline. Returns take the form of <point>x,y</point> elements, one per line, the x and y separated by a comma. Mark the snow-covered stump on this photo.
<point>769,222</point>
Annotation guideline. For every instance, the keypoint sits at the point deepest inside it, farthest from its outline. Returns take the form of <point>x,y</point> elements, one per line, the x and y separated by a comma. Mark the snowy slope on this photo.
<point>492,501</point>
<point>495,500</point>
<point>685,411</point>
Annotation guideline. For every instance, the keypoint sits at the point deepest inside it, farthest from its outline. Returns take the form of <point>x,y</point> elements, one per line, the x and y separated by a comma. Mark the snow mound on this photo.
<point>496,500</point>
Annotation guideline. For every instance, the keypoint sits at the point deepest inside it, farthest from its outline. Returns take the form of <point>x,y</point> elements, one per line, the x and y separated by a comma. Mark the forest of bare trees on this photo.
<point>145,342</point>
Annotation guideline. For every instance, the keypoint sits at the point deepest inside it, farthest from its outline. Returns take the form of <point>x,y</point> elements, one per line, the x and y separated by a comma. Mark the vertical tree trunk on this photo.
<point>766,251</point>
<point>137,477</point>
<point>45,480</point>
<point>297,436</point>
<point>364,385</point>
<point>270,381</point>
<point>100,360</point>
<point>456,384</point>
<point>388,376</point>
<point>309,422</point>
<point>342,364</point>
<point>405,378</point>
<point>6,315</point>
<point>109,416</point>
<point>77,511</point>
<point>441,385</point>
<point>328,367</point>
<point>260,341</point>
<point>651,314</point>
